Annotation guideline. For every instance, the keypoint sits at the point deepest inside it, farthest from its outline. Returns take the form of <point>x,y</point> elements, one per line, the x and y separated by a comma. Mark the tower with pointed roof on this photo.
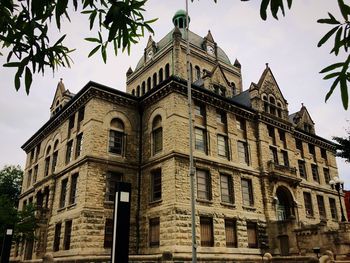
<point>262,174</point>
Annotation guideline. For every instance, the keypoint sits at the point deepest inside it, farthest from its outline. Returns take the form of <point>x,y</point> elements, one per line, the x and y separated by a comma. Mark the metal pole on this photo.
<point>343,219</point>
<point>191,168</point>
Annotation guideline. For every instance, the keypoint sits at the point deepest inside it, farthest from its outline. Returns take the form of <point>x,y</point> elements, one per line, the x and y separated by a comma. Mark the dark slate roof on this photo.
<point>243,99</point>
<point>195,40</point>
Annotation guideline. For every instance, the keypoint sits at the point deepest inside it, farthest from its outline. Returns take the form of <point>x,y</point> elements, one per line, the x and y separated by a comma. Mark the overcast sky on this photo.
<point>288,45</point>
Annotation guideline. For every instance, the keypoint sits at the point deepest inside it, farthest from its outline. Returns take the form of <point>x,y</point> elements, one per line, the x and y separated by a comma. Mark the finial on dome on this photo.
<point>267,65</point>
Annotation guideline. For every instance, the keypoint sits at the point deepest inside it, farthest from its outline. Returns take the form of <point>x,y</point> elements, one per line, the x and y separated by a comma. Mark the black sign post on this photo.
<point>6,246</point>
<point>121,223</point>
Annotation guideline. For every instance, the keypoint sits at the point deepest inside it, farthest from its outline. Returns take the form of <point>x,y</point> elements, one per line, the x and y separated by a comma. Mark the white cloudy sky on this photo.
<point>288,45</point>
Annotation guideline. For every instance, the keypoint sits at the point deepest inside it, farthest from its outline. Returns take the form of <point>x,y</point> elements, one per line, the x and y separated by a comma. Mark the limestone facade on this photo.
<point>261,173</point>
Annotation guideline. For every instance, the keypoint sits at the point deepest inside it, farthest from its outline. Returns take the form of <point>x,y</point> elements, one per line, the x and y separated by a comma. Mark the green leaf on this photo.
<point>344,92</point>
<point>91,39</point>
<point>332,67</point>
<point>332,75</point>
<point>17,79</point>
<point>327,36</point>
<point>104,54</point>
<point>93,51</point>
<point>263,8</point>
<point>28,79</point>
<point>335,83</point>
<point>12,64</point>
<point>343,9</point>
<point>337,41</point>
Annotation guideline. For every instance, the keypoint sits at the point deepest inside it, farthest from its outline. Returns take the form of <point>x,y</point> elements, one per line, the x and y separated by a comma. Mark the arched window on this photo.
<point>272,105</point>
<point>47,161</point>
<point>160,75</point>
<point>138,91</point>
<point>154,80</point>
<point>157,134</point>
<point>279,110</point>
<point>198,72</point>
<point>167,71</point>
<point>116,137</point>
<point>285,209</point>
<point>143,88</point>
<point>54,156</point>
<point>133,92</point>
<point>149,84</point>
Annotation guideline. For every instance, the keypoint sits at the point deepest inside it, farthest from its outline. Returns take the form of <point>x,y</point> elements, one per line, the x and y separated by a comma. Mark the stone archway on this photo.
<point>285,204</point>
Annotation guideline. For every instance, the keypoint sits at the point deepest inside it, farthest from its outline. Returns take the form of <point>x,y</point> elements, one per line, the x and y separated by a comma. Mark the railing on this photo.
<point>273,167</point>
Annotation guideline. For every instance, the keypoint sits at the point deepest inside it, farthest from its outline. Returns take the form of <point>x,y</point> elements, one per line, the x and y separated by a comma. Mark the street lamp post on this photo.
<point>338,185</point>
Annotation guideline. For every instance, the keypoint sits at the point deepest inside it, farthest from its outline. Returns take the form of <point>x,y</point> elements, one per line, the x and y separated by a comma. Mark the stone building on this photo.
<point>262,173</point>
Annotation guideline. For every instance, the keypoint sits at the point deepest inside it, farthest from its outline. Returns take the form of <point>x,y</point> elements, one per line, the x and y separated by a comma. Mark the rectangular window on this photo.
<point>252,235</point>
<point>156,185</point>
<point>108,233</point>
<point>312,150</point>
<point>227,193</point>
<point>231,233</point>
<point>71,124</point>
<point>79,145</point>
<point>333,207</point>
<point>116,142</point>
<point>271,132</point>
<point>247,192</point>
<point>31,157</point>
<point>314,171</point>
<point>200,139</point>
<point>35,173</point>
<point>285,158</point>
<point>308,204</point>
<point>282,136</point>
<point>47,166</point>
<point>302,170</point>
<point>222,146</point>
<point>243,156</point>
<point>240,123</point>
<point>207,233</point>
<point>199,110</point>
<point>37,152</point>
<point>203,185</point>
<point>63,192</point>
<point>56,241</point>
<point>54,160</point>
<point>327,176</point>
<point>273,155</point>
<point>111,184</point>
<point>299,145</point>
<point>157,140</point>
<point>221,117</point>
<point>67,234</point>
<point>154,232</point>
<point>321,207</point>
<point>73,189</point>
<point>81,114</point>
<point>69,151</point>
<point>29,178</point>
<point>324,154</point>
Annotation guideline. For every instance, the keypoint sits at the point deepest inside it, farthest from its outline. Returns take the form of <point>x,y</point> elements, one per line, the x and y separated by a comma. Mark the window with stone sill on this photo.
<point>71,124</point>
<point>37,152</point>
<point>57,237</point>
<point>333,208</point>
<point>156,185</point>
<point>327,176</point>
<point>231,232</point>
<point>117,137</point>
<point>206,231</point>
<point>302,169</point>
<point>154,232</point>
<point>324,154</point>
<point>200,138</point>
<point>285,158</point>
<point>157,134</point>
<point>221,117</point>
<point>227,191</point>
<point>63,194</point>
<point>69,151</point>
<point>252,233</point>
<point>240,123</point>
<point>273,154</point>
<point>47,166</point>
<point>81,115</point>
<point>203,185</point>
<point>321,207</point>
<point>35,173</point>
<point>73,189</point>
<point>199,109</point>
<point>67,234</point>
<point>222,145</point>
<point>247,192</point>
<point>79,145</point>
<point>112,178</point>
<point>314,171</point>
<point>108,237</point>
<point>29,178</point>
<point>243,154</point>
<point>308,204</point>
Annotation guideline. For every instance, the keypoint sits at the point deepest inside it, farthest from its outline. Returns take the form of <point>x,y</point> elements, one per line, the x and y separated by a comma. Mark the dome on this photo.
<point>179,19</point>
